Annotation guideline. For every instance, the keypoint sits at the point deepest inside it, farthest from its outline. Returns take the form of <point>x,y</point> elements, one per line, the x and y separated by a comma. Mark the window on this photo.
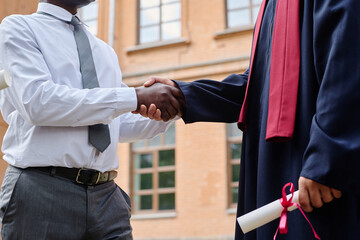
<point>89,15</point>
<point>158,20</point>
<point>242,13</point>
<point>234,139</point>
<point>153,173</point>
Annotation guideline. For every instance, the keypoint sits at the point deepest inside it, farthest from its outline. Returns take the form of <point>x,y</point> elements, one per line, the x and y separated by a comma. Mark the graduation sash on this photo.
<point>284,71</point>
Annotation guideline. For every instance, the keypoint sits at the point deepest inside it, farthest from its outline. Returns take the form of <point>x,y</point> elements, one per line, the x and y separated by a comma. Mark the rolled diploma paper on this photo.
<point>5,79</point>
<point>265,214</point>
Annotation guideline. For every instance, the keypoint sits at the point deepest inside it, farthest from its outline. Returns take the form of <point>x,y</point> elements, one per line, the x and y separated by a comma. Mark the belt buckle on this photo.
<point>80,182</point>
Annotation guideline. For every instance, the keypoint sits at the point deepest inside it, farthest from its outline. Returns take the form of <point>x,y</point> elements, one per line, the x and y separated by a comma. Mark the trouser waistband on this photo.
<point>79,175</point>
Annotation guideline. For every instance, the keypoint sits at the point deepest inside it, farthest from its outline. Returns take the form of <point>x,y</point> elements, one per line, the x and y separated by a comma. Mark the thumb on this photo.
<point>154,80</point>
<point>150,82</point>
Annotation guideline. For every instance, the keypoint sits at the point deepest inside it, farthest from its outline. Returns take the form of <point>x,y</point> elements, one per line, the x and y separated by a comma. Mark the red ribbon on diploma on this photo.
<point>283,229</point>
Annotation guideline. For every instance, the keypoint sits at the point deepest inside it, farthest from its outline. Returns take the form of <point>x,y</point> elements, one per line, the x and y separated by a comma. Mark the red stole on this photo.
<point>284,71</point>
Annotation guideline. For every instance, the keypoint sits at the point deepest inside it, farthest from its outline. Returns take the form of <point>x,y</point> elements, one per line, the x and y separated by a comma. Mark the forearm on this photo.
<point>213,101</point>
<point>58,105</point>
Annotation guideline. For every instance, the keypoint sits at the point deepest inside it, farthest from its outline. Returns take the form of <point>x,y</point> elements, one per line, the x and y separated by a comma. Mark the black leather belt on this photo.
<point>80,176</point>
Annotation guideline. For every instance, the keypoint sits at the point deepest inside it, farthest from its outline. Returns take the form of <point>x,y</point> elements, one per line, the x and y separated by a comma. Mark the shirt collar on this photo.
<point>55,11</point>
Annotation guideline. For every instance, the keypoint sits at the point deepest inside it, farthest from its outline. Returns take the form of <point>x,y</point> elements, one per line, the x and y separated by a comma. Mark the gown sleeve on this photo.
<point>214,101</point>
<point>332,156</point>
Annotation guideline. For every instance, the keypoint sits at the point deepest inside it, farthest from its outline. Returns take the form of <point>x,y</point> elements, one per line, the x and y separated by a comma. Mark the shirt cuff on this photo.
<point>127,99</point>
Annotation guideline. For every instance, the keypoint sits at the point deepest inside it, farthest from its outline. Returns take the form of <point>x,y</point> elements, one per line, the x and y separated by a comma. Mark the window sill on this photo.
<point>231,211</point>
<point>162,44</point>
<point>233,32</point>
<point>153,216</point>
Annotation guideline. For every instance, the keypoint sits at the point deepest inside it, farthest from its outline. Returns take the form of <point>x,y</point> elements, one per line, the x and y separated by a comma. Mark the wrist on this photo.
<point>138,97</point>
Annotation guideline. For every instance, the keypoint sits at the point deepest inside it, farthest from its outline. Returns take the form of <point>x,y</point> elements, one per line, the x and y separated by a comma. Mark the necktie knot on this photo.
<point>75,21</point>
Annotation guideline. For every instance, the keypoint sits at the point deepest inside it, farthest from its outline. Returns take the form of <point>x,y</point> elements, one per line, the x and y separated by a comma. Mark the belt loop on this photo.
<point>53,171</point>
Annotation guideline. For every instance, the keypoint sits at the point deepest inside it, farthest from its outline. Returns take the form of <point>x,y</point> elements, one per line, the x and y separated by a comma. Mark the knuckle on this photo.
<point>317,204</point>
<point>311,184</point>
<point>164,93</point>
<point>308,209</point>
<point>328,198</point>
<point>303,203</point>
<point>337,194</point>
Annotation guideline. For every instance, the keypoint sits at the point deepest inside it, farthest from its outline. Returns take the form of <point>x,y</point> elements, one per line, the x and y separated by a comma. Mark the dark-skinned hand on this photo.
<point>163,98</point>
<point>153,111</point>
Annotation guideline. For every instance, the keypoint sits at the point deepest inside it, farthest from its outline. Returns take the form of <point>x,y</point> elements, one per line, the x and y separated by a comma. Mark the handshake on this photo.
<point>160,99</point>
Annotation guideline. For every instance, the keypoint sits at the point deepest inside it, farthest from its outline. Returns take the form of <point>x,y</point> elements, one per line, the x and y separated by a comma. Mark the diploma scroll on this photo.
<point>265,214</point>
<point>5,79</point>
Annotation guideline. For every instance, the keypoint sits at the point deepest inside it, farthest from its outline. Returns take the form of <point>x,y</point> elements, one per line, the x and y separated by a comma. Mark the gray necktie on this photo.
<point>99,134</point>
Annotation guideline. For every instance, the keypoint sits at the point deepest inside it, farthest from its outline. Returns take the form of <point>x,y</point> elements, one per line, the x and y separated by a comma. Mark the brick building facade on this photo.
<point>183,183</point>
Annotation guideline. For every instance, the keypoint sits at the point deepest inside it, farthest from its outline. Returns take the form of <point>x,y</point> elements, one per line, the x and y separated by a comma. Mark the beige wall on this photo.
<point>201,190</point>
<point>207,51</point>
<point>8,7</point>
<point>201,21</point>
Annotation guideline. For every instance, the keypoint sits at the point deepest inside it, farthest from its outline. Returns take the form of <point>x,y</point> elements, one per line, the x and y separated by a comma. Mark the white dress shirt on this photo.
<point>46,108</point>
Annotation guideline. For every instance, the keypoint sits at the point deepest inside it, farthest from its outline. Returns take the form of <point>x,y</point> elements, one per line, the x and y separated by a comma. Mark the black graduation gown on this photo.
<point>326,142</point>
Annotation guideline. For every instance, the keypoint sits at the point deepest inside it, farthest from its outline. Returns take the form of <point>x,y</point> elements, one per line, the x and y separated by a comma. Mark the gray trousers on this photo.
<point>37,206</point>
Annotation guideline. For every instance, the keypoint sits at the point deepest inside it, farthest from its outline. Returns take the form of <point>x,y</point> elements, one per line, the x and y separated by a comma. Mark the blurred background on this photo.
<point>183,184</point>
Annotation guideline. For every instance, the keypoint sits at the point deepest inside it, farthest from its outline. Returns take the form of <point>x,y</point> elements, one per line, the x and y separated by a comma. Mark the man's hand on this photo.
<point>313,194</point>
<point>161,100</point>
<point>153,111</point>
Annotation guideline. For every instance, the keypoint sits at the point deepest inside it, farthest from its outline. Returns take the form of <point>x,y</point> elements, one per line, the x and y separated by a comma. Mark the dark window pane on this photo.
<point>235,150</point>
<point>149,16</point>
<point>166,179</point>
<point>239,18</point>
<point>149,3</point>
<point>232,4</point>
<point>166,201</point>
<point>143,161</point>
<point>234,192</point>
<point>167,158</point>
<point>143,181</point>
<point>170,135</point>
<point>170,30</point>
<point>143,202</point>
<point>235,171</point>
